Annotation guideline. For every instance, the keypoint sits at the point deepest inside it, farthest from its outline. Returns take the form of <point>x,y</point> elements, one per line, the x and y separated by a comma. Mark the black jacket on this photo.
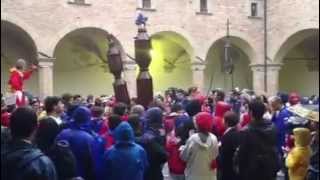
<point>258,159</point>
<point>229,144</point>
<point>21,161</point>
<point>153,144</point>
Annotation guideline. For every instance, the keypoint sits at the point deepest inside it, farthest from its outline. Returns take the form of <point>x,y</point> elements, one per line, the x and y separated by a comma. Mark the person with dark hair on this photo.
<point>20,159</point>
<point>219,96</point>
<point>229,144</point>
<point>135,123</point>
<point>86,145</point>
<point>257,154</point>
<point>121,110</point>
<point>67,100</point>
<point>58,151</point>
<point>54,108</point>
<point>97,122</point>
<point>201,150</point>
<point>90,100</point>
<point>125,153</point>
<point>153,141</point>
<point>77,99</point>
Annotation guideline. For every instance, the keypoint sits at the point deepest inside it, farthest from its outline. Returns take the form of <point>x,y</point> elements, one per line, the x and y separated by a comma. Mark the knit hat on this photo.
<point>204,122</point>
<point>302,137</point>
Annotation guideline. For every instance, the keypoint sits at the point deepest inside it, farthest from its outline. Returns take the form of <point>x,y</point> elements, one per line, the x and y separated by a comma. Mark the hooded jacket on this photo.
<point>298,159</point>
<point>22,161</point>
<point>125,153</point>
<point>221,109</point>
<point>153,142</point>
<point>257,152</point>
<point>199,153</point>
<point>86,145</point>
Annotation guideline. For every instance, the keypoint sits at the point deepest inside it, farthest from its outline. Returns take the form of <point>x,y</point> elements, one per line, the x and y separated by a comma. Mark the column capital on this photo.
<point>129,66</point>
<point>46,62</point>
<point>270,67</point>
<point>198,66</point>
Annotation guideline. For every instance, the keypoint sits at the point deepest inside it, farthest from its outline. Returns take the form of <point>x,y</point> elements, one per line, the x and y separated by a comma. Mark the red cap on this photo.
<point>204,122</point>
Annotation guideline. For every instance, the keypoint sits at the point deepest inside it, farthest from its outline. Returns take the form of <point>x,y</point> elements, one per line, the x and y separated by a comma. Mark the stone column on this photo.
<point>198,75</point>
<point>272,78</point>
<point>130,75</point>
<point>45,77</point>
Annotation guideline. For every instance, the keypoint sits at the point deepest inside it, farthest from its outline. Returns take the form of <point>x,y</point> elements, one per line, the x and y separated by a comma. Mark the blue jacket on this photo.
<point>126,159</point>
<point>281,121</point>
<point>86,145</point>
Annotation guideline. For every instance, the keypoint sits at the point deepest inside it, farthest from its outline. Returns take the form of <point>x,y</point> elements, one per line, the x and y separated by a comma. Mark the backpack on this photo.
<point>10,166</point>
<point>265,158</point>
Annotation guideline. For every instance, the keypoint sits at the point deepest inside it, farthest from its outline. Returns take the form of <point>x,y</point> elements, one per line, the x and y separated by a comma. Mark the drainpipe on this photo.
<point>265,46</point>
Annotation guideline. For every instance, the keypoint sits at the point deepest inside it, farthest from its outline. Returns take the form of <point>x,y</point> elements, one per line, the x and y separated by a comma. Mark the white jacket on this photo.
<point>199,155</point>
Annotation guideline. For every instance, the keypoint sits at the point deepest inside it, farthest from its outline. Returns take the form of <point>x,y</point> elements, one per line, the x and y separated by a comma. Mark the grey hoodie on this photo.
<point>199,152</point>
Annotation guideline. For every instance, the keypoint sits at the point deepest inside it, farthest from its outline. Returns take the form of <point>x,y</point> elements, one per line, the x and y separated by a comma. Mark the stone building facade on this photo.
<point>195,26</point>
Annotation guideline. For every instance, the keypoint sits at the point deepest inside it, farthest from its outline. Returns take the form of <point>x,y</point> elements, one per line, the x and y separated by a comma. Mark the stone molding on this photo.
<point>270,67</point>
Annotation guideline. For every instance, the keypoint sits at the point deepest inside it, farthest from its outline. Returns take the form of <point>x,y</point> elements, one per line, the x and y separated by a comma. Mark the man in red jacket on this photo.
<point>17,77</point>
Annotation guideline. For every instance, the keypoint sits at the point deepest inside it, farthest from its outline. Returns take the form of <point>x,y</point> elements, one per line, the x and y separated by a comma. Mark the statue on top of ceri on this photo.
<point>116,68</point>
<point>143,59</point>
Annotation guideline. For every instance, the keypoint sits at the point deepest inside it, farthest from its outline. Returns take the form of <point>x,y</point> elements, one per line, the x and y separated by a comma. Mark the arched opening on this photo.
<point>241,54</point>
<point>171,61</point>
<point>300,58</point>
<point>81,63</point>
<point>17,43</point>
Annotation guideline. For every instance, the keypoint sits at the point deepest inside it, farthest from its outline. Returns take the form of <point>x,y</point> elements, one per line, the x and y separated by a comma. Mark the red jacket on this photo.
<point>16,79</point>
<point>176,165</point>
<point>221,109</point>
<point>5,119</point>
<point>245,121</point>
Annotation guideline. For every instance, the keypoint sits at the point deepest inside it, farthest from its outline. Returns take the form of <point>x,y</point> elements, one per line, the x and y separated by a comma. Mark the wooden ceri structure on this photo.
<point>143,59</point>
<point>116,68</point>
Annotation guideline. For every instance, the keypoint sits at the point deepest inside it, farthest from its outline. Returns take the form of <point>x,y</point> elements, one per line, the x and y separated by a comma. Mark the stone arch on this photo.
<point>172,56</point>
<point>17,43</point>
<point>243,55</point>
<point>32,32</point>
<point>154,29</point>
<point>299,57</point>
<point>180,39</point>
<point>81,56</point>
<point>53,41</point>
<point>240,40</point>
<point>288,42</point>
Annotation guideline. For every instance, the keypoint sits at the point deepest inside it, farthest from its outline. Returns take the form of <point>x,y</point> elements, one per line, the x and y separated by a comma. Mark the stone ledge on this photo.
<point>72,2</point>
<point>204,13</point>
<point>255,17</point>
<point>147,9</point>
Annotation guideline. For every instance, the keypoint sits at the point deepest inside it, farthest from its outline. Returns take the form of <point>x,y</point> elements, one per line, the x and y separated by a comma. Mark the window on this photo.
<point>254,9</point>
<point>146,4</point>
<point>204,6</point>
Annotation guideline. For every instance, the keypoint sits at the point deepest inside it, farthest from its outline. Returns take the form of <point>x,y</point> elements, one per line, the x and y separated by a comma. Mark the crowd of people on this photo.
<point>222,136</point>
